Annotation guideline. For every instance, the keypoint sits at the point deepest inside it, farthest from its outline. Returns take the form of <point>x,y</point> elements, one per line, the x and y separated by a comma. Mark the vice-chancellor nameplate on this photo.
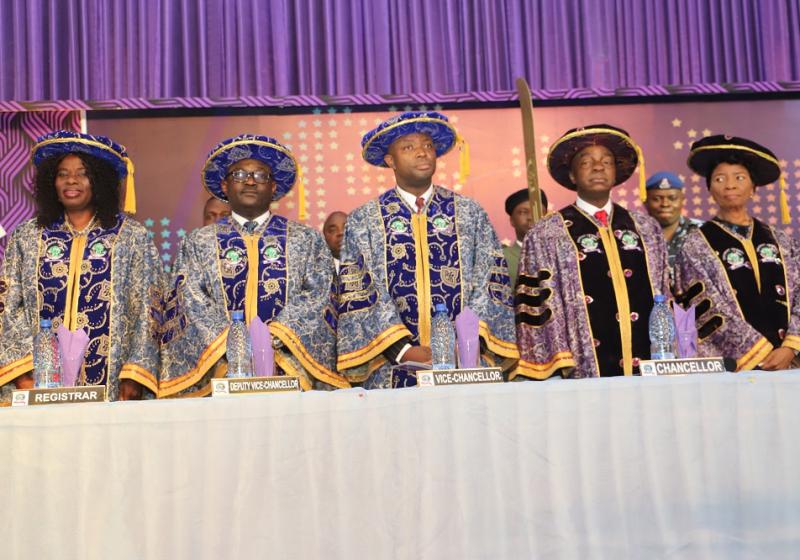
<point>683,366</point>
<point>229,386</point>
<point>58,395</point>
<point>467,376</point>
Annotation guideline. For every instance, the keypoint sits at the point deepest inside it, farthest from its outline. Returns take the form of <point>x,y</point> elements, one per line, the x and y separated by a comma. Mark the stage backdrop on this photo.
<point>169,153</point>
<point>18,133</point>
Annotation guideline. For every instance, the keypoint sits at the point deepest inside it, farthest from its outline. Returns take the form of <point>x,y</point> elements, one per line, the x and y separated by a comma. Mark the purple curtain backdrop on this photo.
<point>111,49</point>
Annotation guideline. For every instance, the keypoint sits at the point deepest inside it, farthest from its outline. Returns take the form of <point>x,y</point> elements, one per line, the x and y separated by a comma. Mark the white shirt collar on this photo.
<point>591,208</point>
<point>411,199</point>
<point>259,220</point>
<point>518,242</point>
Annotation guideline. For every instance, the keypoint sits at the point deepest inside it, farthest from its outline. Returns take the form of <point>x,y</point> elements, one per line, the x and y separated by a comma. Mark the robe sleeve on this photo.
<point>142,361</point>
<point>542,335</point>
<point>305,327</point>
<point>194,323</point>
<point>16,338</point>
<point>489,292</point>
<point>368,319</point>
<point>791,254</point>
<point>700,280</point>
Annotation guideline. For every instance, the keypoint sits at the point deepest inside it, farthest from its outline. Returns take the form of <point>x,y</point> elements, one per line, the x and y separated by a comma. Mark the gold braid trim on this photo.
<point>140,375</point>
<point>210,356</point>
<point>10,372</point>
<point>546,370</point>
<point>295,346</point>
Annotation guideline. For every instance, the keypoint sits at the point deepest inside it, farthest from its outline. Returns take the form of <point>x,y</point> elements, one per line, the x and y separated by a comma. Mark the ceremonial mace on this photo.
<point>534,196</point>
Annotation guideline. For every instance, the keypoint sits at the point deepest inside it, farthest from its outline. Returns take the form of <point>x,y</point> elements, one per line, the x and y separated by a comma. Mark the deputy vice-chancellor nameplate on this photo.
<point>226,387</point>
<point>437,377</point>
<point>682,366</point>
<point>59,395</point>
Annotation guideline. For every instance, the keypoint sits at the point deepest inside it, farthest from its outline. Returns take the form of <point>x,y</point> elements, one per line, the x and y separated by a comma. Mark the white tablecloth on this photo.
<point>684,467</point>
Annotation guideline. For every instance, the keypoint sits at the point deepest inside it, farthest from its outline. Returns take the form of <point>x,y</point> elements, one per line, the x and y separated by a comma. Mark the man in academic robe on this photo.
<point>415,246</point>
<point>590,271</point>
<point>275,270</point>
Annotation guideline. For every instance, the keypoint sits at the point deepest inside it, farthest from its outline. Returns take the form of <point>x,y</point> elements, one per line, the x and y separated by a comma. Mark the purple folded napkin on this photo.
<point>72,347</point>
<point>685,331</point>
<point>467,328</point>
<point>261,341</point>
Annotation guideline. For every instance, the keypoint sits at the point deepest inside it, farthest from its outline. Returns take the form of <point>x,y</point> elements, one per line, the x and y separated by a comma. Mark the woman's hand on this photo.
<point>778,359</point>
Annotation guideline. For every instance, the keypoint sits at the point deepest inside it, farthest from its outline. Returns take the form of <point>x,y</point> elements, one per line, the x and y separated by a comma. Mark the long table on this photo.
<point>704,466</point>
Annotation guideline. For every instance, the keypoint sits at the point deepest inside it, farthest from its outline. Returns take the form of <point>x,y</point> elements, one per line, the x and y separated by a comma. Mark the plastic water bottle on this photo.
<point>46,358</point>
<point>443,339</point>
<point>238,349</point>
<point>662,330</point>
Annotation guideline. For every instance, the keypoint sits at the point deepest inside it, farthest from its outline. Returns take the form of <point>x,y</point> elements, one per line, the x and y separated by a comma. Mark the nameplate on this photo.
<point>682,366</point>
<point>226,387</point>
<point>59,395</point>
<point>437,377</point>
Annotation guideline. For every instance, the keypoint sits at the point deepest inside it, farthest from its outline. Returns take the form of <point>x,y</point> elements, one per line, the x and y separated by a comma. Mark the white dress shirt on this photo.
<point>241,220</point>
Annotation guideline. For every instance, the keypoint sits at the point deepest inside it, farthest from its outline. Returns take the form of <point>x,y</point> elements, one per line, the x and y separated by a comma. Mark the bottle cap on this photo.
<point>660,298</point>
<point>440,307</point>
<point>237,315</point>
<point>45,324</point>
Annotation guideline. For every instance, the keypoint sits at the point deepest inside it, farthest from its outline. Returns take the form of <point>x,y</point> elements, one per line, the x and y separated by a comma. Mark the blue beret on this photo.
<point>664,180</point>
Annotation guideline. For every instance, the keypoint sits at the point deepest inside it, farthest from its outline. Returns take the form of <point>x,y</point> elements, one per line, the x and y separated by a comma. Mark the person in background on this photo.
<point>665,199</point>
<point>518,208</point>
<point>214,210</point>
<point>333,230</point>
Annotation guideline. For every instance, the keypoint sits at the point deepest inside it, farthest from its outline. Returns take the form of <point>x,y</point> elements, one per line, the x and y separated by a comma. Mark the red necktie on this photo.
<point>420,204</point>
<point>602,216</point>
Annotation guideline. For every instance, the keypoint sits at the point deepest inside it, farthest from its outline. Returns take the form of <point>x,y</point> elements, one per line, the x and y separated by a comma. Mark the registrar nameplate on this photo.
<point>59,395</point>
<point>437,377</point>
<point>229,386</point>
<point>683,366</point>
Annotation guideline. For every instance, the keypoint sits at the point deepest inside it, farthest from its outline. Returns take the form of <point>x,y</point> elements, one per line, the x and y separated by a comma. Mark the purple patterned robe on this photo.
<point>584,293</point>
<point>738,317</point>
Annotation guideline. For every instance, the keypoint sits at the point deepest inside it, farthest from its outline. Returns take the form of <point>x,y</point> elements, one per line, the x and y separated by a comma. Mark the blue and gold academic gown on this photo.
<point>397,265</point>
<point>281,274</point>
<point>105,281</point>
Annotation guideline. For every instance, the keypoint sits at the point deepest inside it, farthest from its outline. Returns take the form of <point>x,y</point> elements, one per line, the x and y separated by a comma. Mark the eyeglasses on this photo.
<point>241,176</point>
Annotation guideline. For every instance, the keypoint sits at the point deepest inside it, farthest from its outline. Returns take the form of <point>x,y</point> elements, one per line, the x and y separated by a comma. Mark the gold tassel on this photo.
<point>642,176</point>
<point>463,161</point>
<point>786,216</point>
<point>302,215</point>
<point>130,192</point>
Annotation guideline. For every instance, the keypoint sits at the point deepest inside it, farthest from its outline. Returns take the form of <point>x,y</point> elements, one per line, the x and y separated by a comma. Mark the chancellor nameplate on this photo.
<point>436,377</point>
<point>683,366</point>
<point>226,386</point>
<point>59,395</point>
